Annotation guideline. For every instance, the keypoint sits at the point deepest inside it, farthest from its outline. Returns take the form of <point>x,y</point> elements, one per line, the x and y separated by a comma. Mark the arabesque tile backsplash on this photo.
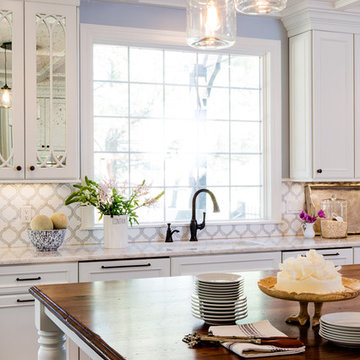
<point>49,198</point>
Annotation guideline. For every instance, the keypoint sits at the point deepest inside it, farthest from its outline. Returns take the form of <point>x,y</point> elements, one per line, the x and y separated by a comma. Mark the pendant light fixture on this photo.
<point>211,24</point>
<point>5,91</point>
<point>259,7</point>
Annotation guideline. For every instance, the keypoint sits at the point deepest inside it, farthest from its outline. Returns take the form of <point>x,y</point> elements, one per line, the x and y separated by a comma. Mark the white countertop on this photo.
<point>27,255</point>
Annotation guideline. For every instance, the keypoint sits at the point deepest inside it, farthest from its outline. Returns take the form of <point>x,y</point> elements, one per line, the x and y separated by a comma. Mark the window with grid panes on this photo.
<point>181,120</point>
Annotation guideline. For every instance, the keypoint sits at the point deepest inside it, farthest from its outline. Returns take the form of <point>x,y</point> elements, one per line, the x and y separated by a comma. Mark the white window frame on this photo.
<point>270,50</point>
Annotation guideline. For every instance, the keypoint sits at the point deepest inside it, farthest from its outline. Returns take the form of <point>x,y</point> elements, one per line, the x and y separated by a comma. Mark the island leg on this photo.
<point>303,317</point>
<point>51,338</point>
<point>317,314</point>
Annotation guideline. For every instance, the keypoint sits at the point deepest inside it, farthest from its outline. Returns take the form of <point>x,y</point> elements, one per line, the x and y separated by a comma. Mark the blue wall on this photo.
<point>153,17</point>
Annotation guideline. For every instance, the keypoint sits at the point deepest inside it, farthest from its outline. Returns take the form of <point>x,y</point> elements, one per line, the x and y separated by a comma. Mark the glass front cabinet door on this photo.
<point>47,111</point>
<point>12,164</point>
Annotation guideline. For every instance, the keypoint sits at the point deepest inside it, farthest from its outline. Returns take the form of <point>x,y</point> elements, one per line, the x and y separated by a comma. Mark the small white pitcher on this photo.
<point>308,230</point>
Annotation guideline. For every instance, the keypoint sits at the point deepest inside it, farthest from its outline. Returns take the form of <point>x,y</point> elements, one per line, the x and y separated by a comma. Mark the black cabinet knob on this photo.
<point>32,168</point>
<point>319,171</point>
<point>18,168</point>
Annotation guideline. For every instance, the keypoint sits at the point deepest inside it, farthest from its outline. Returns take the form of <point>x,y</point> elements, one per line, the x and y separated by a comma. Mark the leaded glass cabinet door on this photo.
<point>11,91</point>
<point>51,92</point>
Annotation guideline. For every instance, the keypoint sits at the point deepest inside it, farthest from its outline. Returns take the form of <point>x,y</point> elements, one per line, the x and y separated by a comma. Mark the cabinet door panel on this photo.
<point>12,112</point>
<point>333,105</point>
<point>192,265</point>
<point>51,92</point>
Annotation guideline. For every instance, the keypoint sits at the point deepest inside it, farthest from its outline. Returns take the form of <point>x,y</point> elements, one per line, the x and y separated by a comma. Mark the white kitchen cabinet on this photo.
<point>343,256</point>
<point>322,144</point>
<point>44,116</point>
<point>357,255</point>
<point>192,265</point>
<point>18,339</point>
<point>123,269</point>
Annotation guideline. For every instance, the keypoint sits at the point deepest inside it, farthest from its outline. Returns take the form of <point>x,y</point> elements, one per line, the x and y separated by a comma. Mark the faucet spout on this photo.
<point>194,226</point>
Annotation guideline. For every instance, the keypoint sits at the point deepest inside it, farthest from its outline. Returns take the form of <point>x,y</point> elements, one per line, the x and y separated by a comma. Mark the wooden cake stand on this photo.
<point>352,289</point>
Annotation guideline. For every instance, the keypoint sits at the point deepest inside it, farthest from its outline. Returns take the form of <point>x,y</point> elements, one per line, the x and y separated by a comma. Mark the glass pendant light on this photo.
<point>211,24</point>
<point>5,91</point>
<point>259,7</point>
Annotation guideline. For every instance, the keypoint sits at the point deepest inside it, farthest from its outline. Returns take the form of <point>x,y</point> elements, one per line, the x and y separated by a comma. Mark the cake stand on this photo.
<point>352,289</point>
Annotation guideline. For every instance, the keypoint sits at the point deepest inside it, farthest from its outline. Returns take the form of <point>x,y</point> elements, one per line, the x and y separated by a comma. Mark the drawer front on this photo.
<point>193,265</point>
<point>18,300</point>
<point>19,278</point>
<point>338,256</point>
<point>123,269</point>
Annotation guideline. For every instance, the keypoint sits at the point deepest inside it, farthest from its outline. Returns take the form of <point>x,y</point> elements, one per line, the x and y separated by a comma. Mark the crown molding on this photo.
<point>305,15</point>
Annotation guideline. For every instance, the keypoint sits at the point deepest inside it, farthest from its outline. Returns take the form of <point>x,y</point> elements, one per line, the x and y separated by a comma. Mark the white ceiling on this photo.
<point>180,4</point>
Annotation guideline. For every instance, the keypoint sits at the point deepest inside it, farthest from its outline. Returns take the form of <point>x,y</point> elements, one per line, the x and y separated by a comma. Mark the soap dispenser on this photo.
<point>169,233</point>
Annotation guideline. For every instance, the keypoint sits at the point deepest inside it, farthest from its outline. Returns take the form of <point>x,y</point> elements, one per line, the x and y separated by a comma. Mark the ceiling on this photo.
<point>334,4</point>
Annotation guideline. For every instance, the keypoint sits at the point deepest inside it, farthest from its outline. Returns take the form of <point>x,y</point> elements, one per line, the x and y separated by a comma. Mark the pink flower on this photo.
<point>321,214</point>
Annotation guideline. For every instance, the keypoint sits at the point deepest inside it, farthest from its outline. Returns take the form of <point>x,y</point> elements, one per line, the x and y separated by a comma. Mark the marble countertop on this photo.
<point>27,255</point>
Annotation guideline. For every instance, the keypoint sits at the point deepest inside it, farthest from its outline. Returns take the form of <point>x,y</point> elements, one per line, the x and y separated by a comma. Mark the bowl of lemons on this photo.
<point>48,233</point>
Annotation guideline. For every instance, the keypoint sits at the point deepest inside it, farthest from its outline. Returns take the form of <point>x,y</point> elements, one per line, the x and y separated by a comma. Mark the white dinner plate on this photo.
<point>222,297</point>
<point>340,332</point>
<point>215,318</point>
<point>239,300</point>
<point>219,316</point>
<point>339,335</point>
<point>214,308</point>
<point>219,313</point>
<point>219,278</point>
<point>201,288</point>
<point>340,341</point>
<point>343,319</point>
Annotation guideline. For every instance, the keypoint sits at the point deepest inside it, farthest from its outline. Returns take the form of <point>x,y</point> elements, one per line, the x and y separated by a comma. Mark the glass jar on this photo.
<point>335,223</point>
<point>211,24</point>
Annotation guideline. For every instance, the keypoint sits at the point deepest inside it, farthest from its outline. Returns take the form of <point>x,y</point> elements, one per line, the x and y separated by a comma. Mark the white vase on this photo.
<point>116,231</point>
<point>308,230</point>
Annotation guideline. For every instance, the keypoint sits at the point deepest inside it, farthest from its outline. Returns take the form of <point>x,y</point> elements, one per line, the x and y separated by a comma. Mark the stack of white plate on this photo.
<point>219,298</point>
<point>342,328</point>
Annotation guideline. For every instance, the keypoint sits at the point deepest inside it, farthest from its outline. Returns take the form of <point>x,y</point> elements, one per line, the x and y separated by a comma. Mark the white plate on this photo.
<point>240,300</point>
<point>219,313</point>
<point>216,291</point>
<point>343,320</point>
<point>219,278</point>
<point>224,319</point>
<point>345,342</point>
<point>220,297</point>
<point>347,339</point>
<point>340,332</point>
<point>215,308</point>
<point>219,316</point>
<point>334,333</point>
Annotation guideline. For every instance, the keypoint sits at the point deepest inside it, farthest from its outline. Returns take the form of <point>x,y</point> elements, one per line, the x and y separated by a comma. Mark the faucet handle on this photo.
<point>202,225</point>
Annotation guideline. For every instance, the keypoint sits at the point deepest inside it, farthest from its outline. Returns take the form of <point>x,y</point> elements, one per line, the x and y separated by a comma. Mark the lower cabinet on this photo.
<point>192,265</point>
<point>18,335</point>
<point>338,256</point>
<point>357,255</point>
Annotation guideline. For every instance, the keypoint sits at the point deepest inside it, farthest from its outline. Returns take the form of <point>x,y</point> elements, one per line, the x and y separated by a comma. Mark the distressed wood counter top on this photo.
<point>146,319</point>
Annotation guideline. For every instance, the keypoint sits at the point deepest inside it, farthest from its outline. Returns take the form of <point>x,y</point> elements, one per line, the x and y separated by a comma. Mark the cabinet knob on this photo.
<point>18,168</point>
<point>32,168</point>
<point>319,171</point>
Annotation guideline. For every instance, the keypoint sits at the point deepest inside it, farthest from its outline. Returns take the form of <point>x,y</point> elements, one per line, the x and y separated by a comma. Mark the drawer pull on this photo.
<point>29,279</point>
<point>125,266</point>
<point>25,301</point>
<point>335,254</point>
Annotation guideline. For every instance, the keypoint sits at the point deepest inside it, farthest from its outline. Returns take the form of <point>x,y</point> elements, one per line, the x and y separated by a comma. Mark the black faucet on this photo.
<point>194,226</point>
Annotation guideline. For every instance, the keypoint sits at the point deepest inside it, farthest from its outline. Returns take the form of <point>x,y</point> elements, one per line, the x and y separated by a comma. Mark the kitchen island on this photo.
<point>146,319</point>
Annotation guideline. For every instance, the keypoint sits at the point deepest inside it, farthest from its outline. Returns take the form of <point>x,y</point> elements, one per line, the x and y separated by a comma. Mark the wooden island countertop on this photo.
<point>145,319</point>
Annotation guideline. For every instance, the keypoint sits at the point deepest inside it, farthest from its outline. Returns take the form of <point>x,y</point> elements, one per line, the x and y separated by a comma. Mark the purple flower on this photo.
<point>311,219</point>
<point>321,214</point>
<point>303,215</point>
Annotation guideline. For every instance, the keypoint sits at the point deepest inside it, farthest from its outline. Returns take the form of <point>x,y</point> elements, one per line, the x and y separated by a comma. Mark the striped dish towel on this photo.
<point>257,329</point>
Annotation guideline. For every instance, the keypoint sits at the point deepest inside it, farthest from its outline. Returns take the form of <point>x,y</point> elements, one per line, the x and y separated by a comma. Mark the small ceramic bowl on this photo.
<point>47,240</point>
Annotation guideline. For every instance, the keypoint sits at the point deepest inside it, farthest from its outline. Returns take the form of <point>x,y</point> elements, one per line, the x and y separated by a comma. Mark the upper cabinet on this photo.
<point>322,142</point>
<point>39,137</point>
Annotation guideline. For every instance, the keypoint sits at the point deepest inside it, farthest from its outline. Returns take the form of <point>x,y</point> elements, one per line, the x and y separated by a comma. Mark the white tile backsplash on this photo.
<point>49,198</point>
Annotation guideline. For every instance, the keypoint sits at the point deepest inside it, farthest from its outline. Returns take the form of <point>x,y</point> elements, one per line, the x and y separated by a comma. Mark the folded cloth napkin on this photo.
<point>257,329</point>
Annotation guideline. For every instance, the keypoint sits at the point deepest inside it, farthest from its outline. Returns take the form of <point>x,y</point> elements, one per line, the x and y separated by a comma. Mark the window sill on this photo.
<point>208,223</point>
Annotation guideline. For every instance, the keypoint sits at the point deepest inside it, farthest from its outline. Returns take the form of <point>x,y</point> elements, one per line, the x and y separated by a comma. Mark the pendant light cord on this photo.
<point>5,68</point>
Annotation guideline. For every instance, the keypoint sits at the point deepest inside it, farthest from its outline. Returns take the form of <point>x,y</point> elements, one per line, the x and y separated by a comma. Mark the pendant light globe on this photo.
<point>210,24</point>
<point>260,7</point>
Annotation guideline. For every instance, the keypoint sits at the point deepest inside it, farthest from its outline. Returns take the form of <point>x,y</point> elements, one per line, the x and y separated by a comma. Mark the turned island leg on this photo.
<point>51,338</point>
